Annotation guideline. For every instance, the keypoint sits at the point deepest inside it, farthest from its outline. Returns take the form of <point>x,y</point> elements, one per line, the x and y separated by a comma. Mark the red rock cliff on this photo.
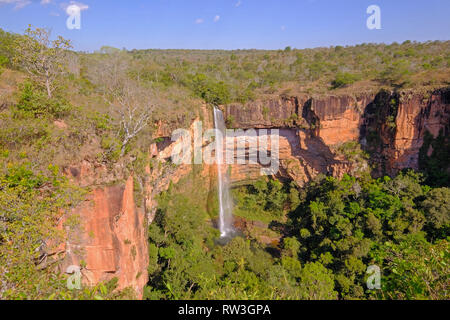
<point>108,238</point>
<point>389,125</point>
<point>111,239</point>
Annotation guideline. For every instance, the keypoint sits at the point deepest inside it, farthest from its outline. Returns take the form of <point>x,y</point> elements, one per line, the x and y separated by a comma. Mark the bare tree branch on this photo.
<point>125,96</point>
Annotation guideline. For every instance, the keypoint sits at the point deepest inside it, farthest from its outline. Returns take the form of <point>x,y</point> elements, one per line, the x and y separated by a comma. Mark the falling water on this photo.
<point>225,202</point>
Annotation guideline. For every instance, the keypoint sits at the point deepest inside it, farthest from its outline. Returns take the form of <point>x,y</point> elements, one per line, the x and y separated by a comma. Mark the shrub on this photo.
<point>3,61</point>
<point>214,92</point>
<point>343,79</point>
<point>396,73</point>
<point>35,101</point>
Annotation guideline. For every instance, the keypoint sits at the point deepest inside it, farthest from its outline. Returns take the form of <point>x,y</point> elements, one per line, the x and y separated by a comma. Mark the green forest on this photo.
<point>58,106</point>
<point>334,230</point>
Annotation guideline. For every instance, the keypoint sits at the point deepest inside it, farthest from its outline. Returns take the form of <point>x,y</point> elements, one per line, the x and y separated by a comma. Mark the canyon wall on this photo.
<point>107,232</point>
<point>110,239</point>
<point>390,126</point>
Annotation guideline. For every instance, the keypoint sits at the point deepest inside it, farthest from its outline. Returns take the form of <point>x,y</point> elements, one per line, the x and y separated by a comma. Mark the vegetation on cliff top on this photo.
<point>220,77</point>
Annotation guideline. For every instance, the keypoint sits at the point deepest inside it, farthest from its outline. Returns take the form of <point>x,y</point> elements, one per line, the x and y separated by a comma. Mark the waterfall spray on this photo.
<point>225,202</point>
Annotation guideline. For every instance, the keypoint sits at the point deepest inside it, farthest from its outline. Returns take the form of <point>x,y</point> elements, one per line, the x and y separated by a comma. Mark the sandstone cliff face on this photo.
<point>389,125</point>
<point>394,126</point>
<point>111,240</point>
<point>417,114</point>
<point>107,233</point>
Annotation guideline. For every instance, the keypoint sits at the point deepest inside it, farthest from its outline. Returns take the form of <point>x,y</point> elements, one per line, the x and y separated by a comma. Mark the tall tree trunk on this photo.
<point>49,90</point>
<point>124,146</point>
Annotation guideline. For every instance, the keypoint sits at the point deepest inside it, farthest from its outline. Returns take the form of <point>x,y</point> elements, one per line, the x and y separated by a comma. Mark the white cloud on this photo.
<point>199,20</point>
<point>283,28</point>
<point>216,18</point>
<point>80,5</point>
<point>19,4</point>
<point>238,3</point>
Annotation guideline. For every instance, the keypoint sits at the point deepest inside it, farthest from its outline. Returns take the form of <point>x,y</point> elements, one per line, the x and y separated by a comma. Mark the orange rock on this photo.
<point>323,123</point>
<point>111,240</point>
<point>60,124</point>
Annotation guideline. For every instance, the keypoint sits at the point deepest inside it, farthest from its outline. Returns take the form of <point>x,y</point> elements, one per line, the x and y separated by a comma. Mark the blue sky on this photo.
<point>231,24</point>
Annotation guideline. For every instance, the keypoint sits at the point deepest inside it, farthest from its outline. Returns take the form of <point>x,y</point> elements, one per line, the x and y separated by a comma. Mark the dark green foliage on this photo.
<point>349,220</point>
<point>189,265</point>
<point>334,231</point>
<point>34,101</point>
<point>264,200</point>
<point>352,152</point>
<point>414,269</point>
<point>343,79</point>
<point>436,165</point>
<point>239,76</point>
<point>330,231</point>
<point>317,282</point>
<point>214,92</point>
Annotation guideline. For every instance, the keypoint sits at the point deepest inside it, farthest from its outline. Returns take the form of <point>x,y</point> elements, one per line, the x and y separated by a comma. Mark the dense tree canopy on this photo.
<point>334,232</point>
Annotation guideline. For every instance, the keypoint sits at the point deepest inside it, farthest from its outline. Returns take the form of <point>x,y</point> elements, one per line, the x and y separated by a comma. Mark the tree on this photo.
<point>134,112</point>
<point>41,57</point>
<point>126,96</point>
<point>396,73</point>
<point>437,209</point>
<point>3,62</point>
<point>415,269</point>
<point>317,282</point>
<point>31,204</point>
<point>343,79</point>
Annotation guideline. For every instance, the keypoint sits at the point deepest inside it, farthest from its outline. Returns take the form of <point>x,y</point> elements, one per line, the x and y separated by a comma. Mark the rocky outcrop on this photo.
<point>394,126</point>
<point>390,126</point>
<point>107,232</point>
<point>281,112</point>
<point>107,238</point>
<point>417,114</point>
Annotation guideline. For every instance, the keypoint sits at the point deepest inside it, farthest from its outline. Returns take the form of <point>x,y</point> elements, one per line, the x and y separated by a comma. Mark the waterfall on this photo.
<point>225,202</point>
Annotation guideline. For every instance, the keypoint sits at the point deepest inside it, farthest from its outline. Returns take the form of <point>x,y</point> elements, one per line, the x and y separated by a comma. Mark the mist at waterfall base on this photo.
<point>227,231</point>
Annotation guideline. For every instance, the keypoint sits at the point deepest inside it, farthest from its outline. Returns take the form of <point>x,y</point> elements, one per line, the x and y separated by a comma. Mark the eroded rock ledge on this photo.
<point>107,233</point>
<point>389,125</point>
<point>112,241</point>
